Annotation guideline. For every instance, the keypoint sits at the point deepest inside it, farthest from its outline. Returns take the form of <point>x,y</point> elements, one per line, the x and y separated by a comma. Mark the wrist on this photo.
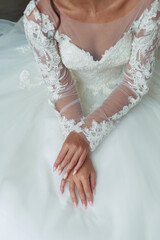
<point>80,129</point>
<point>82,134</point>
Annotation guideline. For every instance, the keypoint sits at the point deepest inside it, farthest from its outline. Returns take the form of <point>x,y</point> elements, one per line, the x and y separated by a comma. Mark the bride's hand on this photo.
<point>73,153</point>
<point>85,182</point>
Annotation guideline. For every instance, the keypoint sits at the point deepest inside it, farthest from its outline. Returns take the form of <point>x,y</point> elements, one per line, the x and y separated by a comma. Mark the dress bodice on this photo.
<point>89,96</point>
<point>95,79</point>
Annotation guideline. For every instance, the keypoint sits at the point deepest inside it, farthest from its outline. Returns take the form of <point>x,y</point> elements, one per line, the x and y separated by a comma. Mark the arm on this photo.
<point>62,89</point>
<point>134,84</point>
<point>63,95</point>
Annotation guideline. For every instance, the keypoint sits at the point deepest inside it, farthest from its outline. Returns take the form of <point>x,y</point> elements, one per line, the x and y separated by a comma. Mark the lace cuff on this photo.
<point>135,78</point>
<point>62,90</point>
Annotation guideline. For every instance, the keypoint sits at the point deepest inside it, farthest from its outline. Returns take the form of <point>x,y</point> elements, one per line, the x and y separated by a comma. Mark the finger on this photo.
<point>72,193</point>
<point>62,185</point>
<point>81,194</point>
<point>60,156</point>
<point>93,181</point>
<point>87,190</point>
<point>65,161</point>
<point>80,162</point>
<point>73,162</point>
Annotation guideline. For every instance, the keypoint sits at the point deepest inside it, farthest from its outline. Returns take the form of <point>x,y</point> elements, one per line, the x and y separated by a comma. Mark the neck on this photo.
<point>91,6</point>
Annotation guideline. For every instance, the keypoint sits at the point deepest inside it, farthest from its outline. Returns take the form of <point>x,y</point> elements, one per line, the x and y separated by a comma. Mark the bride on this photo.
<point>97,64</point>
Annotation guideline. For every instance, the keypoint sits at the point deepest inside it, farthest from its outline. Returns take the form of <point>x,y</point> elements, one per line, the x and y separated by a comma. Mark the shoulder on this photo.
<point>40,12</point>
<point>31,6</point>
<point>149,15</point>
<point>150,9</point>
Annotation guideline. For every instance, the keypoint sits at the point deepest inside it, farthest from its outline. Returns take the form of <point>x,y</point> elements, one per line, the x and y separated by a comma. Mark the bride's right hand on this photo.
<point>73,153</point>
<point>85,182</point>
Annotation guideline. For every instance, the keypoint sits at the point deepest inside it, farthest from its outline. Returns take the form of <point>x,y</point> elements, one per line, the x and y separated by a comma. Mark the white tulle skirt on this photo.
<point>127,163</point>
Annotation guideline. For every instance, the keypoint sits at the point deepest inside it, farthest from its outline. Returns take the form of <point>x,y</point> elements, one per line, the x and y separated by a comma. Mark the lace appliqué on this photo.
<point>26,81</point>
<point>139,74</point>
<point>66,125</point>
<point>41,35</point>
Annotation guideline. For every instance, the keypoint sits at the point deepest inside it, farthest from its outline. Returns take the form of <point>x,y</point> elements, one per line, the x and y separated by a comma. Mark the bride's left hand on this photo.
<point>84,182</point>
<point>74,152</point>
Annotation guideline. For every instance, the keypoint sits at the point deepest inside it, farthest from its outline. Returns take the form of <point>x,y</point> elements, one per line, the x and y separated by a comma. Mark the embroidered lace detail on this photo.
<point>41,37</point>
<point>136,75</point>
<point>89,63</point>
<point>40,33</point>
<point>128,90</point>
<point>26,81</point>
<point>66,125</point>
<point>30,7</point>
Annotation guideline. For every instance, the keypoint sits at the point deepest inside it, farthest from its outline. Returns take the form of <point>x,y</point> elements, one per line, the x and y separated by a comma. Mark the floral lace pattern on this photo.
<point>40,36</point>
<point>40,32</point>
<point>68,48</point>
<point>141,51</point>
<point>136,75</point>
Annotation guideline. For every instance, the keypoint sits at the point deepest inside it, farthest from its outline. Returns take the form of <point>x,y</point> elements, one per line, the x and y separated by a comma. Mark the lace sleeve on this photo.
<point>134,84</point>
<point>39,31</point>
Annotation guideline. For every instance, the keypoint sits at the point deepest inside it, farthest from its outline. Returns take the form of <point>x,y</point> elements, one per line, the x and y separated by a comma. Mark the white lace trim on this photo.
<point>139,74</point>
<point>41,35</point>
<point>26,81</point>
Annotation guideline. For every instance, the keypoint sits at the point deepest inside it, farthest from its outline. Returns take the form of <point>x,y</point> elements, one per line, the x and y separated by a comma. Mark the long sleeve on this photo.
<point>63,97</point>
<point>134,84</point>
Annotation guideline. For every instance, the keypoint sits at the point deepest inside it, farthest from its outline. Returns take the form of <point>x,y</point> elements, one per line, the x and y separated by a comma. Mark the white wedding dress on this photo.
<point>126,157</point>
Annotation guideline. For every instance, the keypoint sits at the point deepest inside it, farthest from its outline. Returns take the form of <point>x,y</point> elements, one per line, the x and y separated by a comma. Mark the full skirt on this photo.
<point>127,200</point>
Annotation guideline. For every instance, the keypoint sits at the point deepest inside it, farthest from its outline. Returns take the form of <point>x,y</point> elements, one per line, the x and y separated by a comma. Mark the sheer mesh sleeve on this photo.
<point>62,90</point>
<point>134,84</point>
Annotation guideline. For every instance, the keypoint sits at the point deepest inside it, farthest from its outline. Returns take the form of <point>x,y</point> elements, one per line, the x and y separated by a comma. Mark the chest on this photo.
<point>101,11</point>
<point>77,58</point>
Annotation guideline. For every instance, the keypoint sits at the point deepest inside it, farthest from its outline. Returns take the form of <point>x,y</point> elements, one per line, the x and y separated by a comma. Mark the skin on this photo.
<point>85,183</point>
<point>93,11</point>
<point>74,152</point>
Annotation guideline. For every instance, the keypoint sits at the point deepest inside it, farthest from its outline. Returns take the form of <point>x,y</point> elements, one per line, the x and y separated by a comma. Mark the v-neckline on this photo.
<point>87,53</point>
<point>98,61</point>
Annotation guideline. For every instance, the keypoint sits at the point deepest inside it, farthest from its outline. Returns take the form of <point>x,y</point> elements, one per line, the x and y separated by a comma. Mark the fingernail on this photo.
<point>83,206</point>
<point>59,171</point>
<point>94,191</point>
<point>75,204</point>
<point>54,169</point>
<point>91,203</point>
<point>65,175</point>
<point>74,171</point>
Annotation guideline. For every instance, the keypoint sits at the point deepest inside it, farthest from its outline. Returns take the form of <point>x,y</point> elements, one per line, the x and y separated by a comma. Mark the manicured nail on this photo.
<point>74,171</point>
<point>65,175</point>
<point>83,206</point>
<point>75,204</point>
<point>91,203</point>
<point>94,191</point>
<point>54,169</point>
<point>59,171</point>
